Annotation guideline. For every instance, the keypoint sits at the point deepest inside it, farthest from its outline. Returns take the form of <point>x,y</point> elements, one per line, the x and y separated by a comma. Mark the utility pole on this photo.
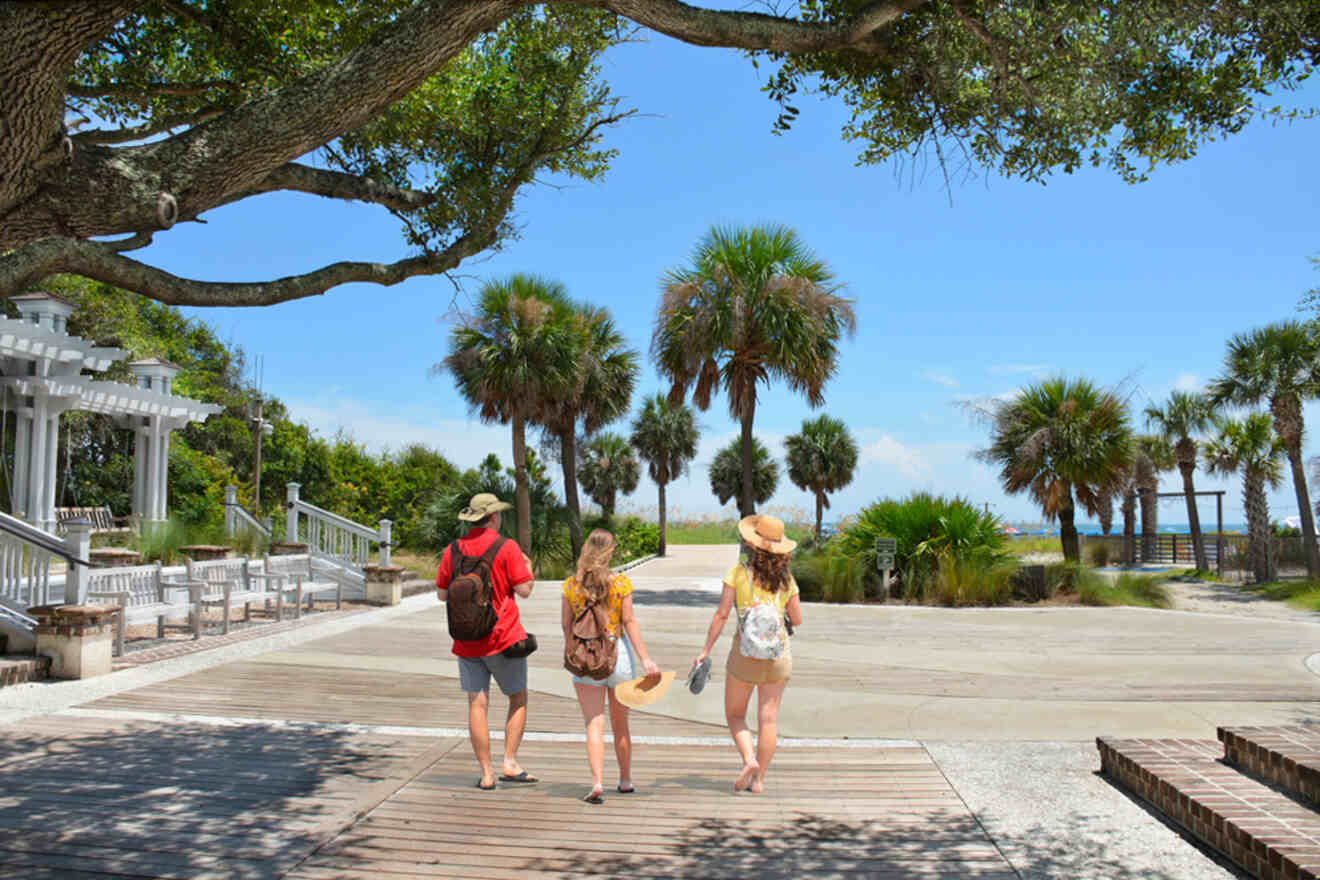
<point>259,427</point>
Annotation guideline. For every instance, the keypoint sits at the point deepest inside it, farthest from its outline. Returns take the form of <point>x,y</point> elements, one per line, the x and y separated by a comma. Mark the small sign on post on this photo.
<point>885,550</point>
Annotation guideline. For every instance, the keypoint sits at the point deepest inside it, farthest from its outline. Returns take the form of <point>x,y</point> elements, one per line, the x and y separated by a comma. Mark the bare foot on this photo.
<point>755,787</point>
<point>746,777</point>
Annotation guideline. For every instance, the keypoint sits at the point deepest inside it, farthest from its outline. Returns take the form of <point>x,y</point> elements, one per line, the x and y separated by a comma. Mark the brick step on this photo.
<point>1263,832</point>
<point>1288,757</point>
<point>18,668</point>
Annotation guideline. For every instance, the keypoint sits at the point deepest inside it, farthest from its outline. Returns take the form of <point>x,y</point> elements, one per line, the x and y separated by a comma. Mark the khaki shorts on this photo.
<point>754,671</point>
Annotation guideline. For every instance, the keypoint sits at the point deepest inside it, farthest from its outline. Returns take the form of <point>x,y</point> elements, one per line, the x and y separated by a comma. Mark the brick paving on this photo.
<point>18,669</point>
<point>1288,757</point>
<point>180,647</point>
<point>1262,831</point>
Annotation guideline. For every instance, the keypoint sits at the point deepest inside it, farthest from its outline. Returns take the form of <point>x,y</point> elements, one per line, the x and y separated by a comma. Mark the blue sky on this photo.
<point>1085,276</point>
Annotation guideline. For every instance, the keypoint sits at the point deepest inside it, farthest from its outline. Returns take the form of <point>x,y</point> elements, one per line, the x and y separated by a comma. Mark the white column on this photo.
<point>153,468</point>
<point>291,524</point>
<point>36,460</point>
<point>163,475</point>
<point>52,470</point>
<point>22,448</point>
<point>140,442</point>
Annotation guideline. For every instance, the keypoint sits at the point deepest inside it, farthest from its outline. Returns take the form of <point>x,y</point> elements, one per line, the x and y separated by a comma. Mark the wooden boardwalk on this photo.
<point>296,769</point>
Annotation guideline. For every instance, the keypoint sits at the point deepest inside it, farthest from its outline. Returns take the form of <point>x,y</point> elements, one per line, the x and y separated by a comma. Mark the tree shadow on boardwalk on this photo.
<point>148,800</point>
<point>689,598</point>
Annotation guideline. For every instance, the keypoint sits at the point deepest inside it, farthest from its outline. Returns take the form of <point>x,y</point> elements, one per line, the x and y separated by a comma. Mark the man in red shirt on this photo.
<point>478,660</point>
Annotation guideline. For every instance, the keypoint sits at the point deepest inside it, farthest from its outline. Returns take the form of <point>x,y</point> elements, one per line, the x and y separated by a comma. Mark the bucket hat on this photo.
<point>643,691</point>
<point>481,506</point>
<point>766,533</point>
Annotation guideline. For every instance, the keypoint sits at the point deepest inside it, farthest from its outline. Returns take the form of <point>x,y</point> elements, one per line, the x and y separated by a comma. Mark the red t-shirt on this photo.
<point>508,569</point>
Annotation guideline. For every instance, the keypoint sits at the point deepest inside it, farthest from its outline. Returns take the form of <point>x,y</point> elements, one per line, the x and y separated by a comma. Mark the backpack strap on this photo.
<point>492,551</point>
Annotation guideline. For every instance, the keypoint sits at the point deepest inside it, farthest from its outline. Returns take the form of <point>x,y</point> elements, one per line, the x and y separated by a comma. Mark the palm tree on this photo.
<point>606,375</point>
<point>1152,456</point>
<point>1181,416</point>
<point>665,437</point>
<point>1060,440</point>
<point>755,305</point>
<point>518,350</point>
<point>726,473</point>
<point>821,459</point>
<point>1278,364</point>
<point>1250,446</point>
<point>609,466</point>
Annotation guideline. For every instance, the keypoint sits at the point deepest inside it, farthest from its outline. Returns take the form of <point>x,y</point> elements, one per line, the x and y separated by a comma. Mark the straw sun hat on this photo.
<point>643,691</point>
<point>482,506</point>
<point>766,533</point>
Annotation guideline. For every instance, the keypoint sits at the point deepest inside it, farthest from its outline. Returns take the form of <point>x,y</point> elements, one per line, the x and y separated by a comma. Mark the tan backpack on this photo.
<point>591,649</point>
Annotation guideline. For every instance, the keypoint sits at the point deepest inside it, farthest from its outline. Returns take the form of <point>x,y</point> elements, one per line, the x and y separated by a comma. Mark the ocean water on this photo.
<point>1086,528</point>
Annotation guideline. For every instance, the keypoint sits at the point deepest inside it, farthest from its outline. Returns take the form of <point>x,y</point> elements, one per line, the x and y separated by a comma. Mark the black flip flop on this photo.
<point>595,797</point>
<point>490,787</point>
<point>623,790</point>
<point>524,776</point>
<point>697,677</point>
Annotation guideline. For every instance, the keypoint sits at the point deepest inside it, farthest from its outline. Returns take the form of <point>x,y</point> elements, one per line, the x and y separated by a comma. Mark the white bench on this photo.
<point>227,583</point>
<point>299,573</point>
<point>142,595</point>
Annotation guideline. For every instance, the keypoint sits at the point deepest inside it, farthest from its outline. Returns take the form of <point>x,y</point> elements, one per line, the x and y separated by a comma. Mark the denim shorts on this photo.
<point>474,673</point>
<point>625,664</point>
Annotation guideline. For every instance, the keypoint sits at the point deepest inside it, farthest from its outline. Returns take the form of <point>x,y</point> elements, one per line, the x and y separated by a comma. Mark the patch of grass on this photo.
<point>1142,590</point>
<point>962,582</point>
<point>724,531</point>
<point>1021,546</point>
<point>421,564</point>
<point>1301,594</point>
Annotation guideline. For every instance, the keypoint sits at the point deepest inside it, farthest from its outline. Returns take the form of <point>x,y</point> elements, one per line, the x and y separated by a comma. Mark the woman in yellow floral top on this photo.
<point>594,581</point>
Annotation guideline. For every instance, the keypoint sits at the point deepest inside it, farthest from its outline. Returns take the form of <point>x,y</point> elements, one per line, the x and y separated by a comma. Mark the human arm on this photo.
<point>794,611</point>
<point>518,569</point>
<point>565,616</point>
<point>524,590</point>
<point>717,623</point>
<point>629,620</point>
<point>444,571</point>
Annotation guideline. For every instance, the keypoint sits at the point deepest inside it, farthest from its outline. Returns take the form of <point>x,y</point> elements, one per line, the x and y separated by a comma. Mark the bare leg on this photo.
<point>513,731</point>
<point>591,699</point>
<point>768,697</point>
<point>622,741</point>
<point>737,694</point>
<point>479,733</point>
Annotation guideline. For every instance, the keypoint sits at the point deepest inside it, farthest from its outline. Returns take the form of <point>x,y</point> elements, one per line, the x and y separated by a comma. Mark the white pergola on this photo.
<point>41,376</point>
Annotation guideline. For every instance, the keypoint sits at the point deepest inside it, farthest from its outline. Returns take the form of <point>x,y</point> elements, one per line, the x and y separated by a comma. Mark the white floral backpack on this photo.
<point>761,631</point>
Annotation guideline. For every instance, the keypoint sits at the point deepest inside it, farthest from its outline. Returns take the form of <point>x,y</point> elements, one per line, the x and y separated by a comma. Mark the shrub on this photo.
<point>927,527</point>
<point>975,580</point>
<point>809,571</point>
<point>1097,554</point>
<point>1145,590</point>
<point>635,538</point>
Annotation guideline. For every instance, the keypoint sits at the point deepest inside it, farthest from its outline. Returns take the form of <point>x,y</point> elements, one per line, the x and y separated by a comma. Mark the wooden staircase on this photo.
<point>1251,795</point>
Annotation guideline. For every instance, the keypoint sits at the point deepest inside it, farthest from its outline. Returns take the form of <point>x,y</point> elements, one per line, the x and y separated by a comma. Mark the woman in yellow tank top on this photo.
<point>763,592</point>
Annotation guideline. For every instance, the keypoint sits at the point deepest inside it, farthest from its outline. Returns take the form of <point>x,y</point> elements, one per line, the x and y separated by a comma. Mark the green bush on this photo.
<point>635,538</point>
<point>825,575</point>
<point>808,570</point>
<point>927,527</point>
<point>1098,554</point>
<point>1145,590</point>
<point>975,580</point>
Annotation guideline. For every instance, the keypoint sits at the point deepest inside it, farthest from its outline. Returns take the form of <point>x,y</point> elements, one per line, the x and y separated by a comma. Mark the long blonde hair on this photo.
<point>593,565</point>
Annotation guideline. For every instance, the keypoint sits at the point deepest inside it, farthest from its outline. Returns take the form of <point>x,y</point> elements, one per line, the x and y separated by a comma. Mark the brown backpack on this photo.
<point>470,607</point>
<point>591,649</point>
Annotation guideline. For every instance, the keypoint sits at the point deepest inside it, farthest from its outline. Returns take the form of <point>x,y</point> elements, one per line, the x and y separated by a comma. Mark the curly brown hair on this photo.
<point>769,570</point>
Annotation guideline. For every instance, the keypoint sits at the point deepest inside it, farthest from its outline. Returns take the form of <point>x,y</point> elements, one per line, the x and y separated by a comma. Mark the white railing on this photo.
<point>331,536</point>
<point>237,516</point>
<point>26,553</point>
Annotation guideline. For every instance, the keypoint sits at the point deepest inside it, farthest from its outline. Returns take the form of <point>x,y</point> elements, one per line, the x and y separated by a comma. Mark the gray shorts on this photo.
<point>474,673</point>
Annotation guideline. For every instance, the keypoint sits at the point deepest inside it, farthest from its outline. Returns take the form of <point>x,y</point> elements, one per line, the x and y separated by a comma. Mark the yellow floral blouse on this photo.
<point>620,586</point>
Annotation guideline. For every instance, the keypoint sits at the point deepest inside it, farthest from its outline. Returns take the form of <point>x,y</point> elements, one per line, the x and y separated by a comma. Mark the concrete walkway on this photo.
<point>1006,703</point>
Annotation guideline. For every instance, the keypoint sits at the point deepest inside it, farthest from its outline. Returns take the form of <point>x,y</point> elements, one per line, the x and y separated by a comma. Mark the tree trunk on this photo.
<point>1106,513</point>
<point>820,512</point>
<point>663,522</point>
<point>522,488</point>
<point>747,504</point>
<point>568,458</point>
<point>1304,510</point>
<point>607,506</point>
<point>1260,538</point>
<point>1072,551</point>
<point>1130,526</point>
<point>1193,515</point>
<point>1150,520</point>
